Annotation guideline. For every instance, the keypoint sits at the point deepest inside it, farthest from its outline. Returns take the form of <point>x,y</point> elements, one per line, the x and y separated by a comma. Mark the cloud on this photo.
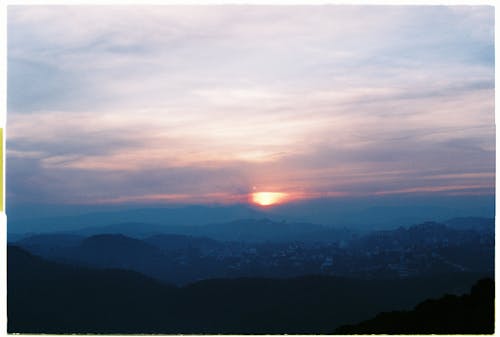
<point>121,103</point>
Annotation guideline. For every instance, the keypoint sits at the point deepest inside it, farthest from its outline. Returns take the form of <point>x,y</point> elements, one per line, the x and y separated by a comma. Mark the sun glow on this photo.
<point>268,198</point>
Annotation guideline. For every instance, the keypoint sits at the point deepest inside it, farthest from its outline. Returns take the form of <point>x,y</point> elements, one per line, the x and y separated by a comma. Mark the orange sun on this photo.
<point>268,198</point>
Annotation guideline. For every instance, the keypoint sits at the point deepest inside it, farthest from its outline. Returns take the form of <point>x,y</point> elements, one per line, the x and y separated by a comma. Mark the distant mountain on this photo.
<point>166,216</point>
<point>242,230</point>
<point>261,230</point>
<point>384,212</point>
<point>51,246</point>
<point>473,223</point>
<point>132,229</point>
<point>427,233</point>
<point>357,213</point>
<point>265,248</point>
<point>472,313</point>
<point>448,248</point>
<point>153,257</point>
<point>119,251</point>
<point>46,297</point>
<point>53,239</point>
<point>177,242</point>
<point>116,250</point>
<point>246,230</point>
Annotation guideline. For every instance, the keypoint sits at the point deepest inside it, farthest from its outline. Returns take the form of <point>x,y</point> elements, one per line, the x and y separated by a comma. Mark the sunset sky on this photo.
<point>208,104</point>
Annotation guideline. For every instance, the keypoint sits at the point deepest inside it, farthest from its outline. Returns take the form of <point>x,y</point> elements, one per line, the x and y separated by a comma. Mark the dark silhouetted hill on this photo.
<point>467,314</point>
<point>47,297</point>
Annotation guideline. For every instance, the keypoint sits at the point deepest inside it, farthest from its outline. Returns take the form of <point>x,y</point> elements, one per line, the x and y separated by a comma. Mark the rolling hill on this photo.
<point>47,297</point>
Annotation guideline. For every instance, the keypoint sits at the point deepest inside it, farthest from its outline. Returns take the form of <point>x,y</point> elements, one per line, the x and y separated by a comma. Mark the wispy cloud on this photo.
<point>122,103</point>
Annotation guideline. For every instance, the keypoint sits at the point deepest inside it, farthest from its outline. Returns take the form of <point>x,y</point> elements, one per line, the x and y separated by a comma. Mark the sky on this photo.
<point>208,104</point>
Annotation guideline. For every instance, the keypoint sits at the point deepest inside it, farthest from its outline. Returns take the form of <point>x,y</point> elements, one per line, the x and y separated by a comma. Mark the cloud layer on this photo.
<point>114,104</point>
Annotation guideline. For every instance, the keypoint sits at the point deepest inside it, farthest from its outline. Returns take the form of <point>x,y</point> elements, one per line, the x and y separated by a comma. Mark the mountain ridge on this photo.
<point>45,297</point>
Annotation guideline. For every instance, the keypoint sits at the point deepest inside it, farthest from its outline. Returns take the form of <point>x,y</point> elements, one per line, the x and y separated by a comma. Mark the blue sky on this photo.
<point>203,104</point>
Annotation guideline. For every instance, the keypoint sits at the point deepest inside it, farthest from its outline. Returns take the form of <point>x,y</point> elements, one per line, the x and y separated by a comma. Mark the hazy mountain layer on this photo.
<point>420,250</point>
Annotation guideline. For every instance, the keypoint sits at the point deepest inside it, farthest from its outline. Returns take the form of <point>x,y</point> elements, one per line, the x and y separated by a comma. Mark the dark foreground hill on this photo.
<point>467,314</point>
<point>45,297</point>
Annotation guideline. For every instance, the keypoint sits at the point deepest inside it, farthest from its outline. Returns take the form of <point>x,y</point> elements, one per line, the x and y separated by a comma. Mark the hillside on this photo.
<point>46,297</point>
<point>467,314</point>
